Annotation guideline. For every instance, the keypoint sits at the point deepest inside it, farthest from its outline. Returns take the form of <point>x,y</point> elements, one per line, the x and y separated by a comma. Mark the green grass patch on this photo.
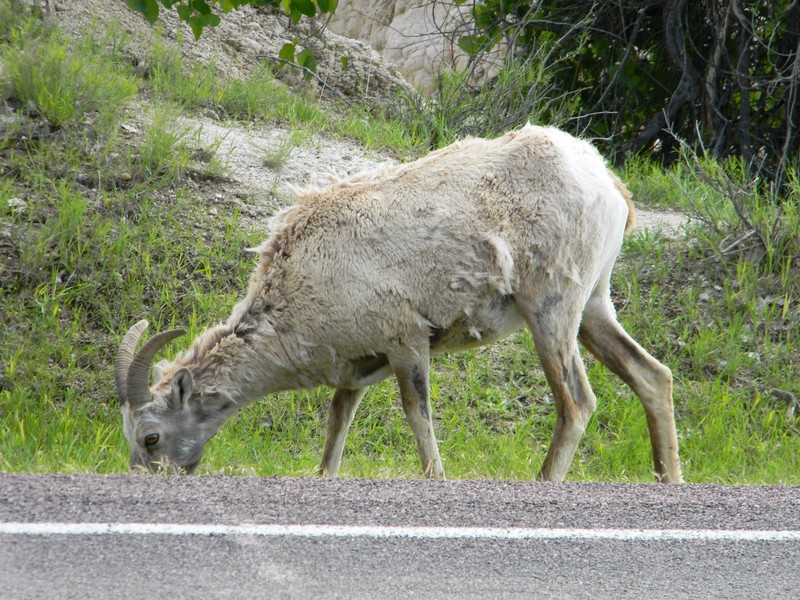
<point>65,81</point>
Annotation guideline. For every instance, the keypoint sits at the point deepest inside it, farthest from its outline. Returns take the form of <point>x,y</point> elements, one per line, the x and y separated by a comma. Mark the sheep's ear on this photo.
<point>182,385</point>
<point>158,370</point>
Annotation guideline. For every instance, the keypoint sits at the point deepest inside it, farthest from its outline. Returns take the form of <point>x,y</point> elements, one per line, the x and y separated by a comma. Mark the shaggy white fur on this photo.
<point>369,276</point>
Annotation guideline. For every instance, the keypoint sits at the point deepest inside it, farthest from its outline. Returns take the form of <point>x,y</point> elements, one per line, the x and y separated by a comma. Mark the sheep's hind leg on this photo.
<point>650,380</point>
<point>412,371</point>
<point>340,415</point>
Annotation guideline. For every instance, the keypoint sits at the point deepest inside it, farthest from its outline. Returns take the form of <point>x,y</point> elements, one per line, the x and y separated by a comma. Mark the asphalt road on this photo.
<point>225,537</point>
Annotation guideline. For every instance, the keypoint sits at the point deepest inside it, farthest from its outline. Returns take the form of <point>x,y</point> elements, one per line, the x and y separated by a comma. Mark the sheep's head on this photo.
<point>161,424</point>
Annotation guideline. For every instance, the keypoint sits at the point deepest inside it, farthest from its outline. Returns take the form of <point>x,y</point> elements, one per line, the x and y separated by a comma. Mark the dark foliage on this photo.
<point>721,75</point>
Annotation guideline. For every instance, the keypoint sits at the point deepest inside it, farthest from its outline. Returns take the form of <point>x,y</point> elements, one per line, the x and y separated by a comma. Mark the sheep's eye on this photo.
<point>151,439</point>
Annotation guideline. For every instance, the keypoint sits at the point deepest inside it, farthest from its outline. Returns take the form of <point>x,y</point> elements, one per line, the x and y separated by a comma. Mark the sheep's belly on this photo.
<point>494,321</point>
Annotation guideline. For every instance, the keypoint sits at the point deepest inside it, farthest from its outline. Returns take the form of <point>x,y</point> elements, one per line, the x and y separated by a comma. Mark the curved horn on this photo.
<point>138,385</point>
<point>127,350</point>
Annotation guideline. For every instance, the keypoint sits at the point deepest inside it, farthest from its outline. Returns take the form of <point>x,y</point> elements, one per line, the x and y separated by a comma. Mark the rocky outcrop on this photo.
<point>418,37</point>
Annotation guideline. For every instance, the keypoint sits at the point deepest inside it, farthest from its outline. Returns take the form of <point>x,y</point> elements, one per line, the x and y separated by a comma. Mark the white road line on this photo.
<point>375,531</point>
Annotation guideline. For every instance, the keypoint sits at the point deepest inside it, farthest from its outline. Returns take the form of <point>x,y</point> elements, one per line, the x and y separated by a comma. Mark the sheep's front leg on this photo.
<point>340,415</point>
<point>411,369</point>
<point>575,403</point>
<point>554,327</point>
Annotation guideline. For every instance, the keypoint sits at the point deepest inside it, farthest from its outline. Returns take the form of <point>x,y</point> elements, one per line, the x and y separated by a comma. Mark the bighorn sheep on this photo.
<point>372,275</point>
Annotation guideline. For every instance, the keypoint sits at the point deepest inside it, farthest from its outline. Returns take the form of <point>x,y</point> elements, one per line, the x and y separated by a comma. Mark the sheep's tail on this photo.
<point>623,190</point>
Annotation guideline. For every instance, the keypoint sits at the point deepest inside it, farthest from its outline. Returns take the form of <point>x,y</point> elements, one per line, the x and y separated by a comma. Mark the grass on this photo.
<point>97,232</point>
<point>276,158</point>
<point>66,81</point>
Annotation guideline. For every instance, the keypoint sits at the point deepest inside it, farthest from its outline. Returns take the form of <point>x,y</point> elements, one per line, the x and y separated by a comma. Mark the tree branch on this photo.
<point>689,86</point>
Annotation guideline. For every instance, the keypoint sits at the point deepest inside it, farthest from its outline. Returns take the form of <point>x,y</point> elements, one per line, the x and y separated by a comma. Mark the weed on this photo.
<point>17,23</point>
<point>276,158</point>
<point>165,151</point>
<point>65,82</point>
<point>256,98</point>
<point>190,87</point>
<point>519,94</point>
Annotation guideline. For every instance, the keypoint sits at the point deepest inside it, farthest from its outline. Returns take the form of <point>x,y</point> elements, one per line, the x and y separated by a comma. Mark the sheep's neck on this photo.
<point>244,367</point>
